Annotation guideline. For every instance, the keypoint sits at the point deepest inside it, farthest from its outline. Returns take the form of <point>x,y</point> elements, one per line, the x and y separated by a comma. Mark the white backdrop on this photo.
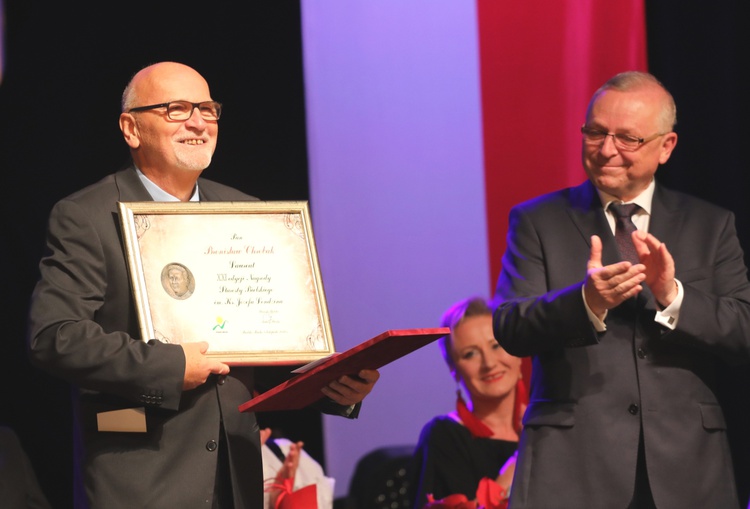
<point>396,193</point>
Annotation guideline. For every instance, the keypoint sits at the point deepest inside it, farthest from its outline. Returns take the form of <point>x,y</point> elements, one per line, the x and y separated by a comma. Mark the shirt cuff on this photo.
<point>669,316</point>
<point>598,324</point>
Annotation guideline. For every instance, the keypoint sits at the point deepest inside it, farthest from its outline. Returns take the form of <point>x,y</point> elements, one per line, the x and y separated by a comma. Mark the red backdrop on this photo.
<point>537,75</point>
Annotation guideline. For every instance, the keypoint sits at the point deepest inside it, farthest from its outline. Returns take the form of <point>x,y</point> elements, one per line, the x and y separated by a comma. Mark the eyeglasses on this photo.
<point>183,110</point>
<point>625,142</point>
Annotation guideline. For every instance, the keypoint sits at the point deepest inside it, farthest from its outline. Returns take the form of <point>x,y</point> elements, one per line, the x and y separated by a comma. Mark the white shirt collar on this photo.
<point>643,200</point>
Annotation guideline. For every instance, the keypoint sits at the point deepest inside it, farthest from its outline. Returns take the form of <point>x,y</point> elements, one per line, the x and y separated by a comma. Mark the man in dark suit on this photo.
<point>188,445</point>
<point>623,409</point>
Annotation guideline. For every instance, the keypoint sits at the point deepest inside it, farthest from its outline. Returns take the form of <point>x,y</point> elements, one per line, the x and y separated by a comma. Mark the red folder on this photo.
<point>304,389</point>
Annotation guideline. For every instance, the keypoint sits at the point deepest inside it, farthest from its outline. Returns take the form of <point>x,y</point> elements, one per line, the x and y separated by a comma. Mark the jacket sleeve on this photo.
<point>715,312</point>
<point>531,317</point>
<point>73,336</point>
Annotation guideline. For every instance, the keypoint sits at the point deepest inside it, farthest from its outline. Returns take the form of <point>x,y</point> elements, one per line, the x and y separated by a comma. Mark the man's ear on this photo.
<point>129,130</point>
<point>667,146</point>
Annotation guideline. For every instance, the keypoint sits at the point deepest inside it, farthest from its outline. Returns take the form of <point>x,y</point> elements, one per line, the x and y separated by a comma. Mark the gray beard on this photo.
<point>194,162</point>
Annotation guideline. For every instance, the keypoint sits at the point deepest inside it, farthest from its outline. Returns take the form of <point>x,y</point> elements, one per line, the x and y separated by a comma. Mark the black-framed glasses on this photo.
<point>625,142</point>
<point>183,110</point>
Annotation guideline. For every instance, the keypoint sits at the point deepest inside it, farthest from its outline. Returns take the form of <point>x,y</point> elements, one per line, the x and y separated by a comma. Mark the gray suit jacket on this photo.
<point>84,329</point>
<point>592,393</point>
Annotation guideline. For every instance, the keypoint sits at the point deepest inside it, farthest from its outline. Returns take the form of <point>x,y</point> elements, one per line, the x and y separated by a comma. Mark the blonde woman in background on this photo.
<point>479,440</point>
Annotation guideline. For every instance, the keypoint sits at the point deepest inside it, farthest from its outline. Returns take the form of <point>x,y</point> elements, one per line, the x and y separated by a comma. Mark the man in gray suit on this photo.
<point>188,444</point>
<point>623,409</point>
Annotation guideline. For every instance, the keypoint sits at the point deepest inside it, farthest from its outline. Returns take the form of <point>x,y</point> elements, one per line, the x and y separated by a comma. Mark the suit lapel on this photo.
<point>129,186</point>
<point>665,223</point>
<point>588,215</point>
<point>206,193</point>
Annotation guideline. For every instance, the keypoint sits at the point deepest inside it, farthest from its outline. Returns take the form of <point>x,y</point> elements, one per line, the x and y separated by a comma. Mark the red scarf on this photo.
<point>489,496</point>
<point>480,429</point>
<point>303,498</point>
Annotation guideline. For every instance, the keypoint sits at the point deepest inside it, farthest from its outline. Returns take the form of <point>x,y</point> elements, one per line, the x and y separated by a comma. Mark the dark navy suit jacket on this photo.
<point>593,393</point>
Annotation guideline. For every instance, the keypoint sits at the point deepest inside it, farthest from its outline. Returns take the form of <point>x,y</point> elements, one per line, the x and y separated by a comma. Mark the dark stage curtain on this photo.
<point>66,64</point>
<point>700,52</point>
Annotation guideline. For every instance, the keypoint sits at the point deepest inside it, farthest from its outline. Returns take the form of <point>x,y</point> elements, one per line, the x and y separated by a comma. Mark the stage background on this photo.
<point>411,126</point>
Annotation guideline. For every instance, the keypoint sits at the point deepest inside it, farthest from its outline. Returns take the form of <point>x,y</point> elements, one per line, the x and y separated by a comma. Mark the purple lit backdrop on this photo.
<point>396,192</point>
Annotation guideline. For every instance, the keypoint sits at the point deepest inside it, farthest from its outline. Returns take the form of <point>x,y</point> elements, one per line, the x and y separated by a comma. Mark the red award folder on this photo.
<point>304,389</point>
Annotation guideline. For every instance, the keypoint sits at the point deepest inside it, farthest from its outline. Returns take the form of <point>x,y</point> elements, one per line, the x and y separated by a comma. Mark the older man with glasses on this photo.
<point>630,298</point>
<point>186,444</point>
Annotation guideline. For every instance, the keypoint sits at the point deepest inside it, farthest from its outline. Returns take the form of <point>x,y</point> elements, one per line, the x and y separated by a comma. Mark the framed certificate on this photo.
<point>243,276</point>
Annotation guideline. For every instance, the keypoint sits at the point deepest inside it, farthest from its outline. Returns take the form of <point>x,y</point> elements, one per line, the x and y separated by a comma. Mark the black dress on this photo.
<point>448,459</point>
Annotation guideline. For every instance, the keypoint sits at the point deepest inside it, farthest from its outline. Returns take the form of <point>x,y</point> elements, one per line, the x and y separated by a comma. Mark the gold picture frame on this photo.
<point>243,276</point>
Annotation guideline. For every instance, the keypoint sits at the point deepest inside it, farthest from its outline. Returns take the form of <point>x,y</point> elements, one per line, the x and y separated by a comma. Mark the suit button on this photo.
<point>211,445</point>
<point>633,409</point>
<point>641,353</point>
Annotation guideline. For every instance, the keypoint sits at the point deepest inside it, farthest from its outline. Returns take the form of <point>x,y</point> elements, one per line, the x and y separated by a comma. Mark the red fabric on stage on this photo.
<point>489,496</point>
<point>303,498</point>
<point>540,62</point>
